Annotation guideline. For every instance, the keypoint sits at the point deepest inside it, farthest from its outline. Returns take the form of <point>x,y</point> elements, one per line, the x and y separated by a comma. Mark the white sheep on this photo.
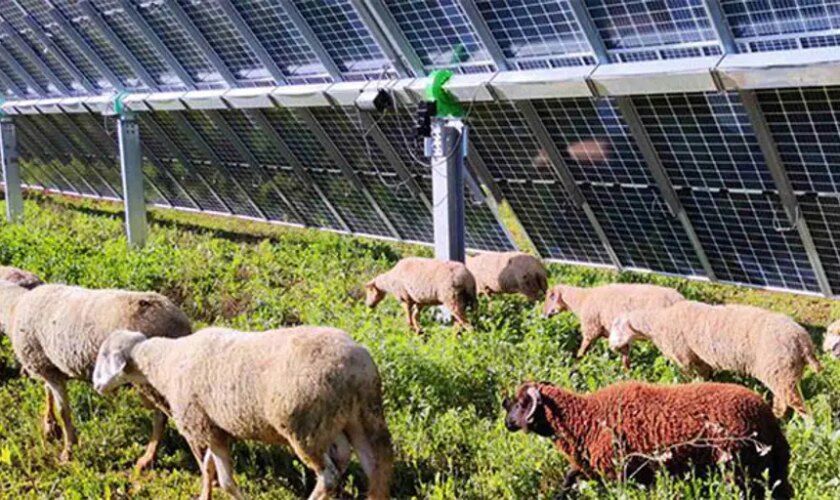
<point>705,338</point>
<point>10,294</point>
<point>598,307</point>
<point>831,342</point>
<point>312,388</point>
<point>20,277</point>
<point>56,331</point>
<point>509,272</point>
<point>419,282</point>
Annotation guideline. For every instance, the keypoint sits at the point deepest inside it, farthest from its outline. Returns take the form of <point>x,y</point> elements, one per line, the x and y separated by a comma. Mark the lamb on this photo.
<point>631,430</point>
<point>744,339</point>
<point>418,282</point>
<point>312,388</point>
<point>598,307</point>
<point>831,342</point>
<point>509,272</point>
<point>20,277</point>
<point>56,332</point>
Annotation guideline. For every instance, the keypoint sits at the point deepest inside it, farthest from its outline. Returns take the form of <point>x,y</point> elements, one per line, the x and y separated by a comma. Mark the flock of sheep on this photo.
<point>317,391</point>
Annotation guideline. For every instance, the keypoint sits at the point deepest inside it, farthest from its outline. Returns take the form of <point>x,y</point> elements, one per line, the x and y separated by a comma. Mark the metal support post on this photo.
<point>447,149</point>
<point>131,166</point>
<point>11,170</point>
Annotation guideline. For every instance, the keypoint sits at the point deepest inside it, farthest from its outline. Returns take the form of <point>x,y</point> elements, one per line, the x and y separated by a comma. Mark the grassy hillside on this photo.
<point>443,393</point>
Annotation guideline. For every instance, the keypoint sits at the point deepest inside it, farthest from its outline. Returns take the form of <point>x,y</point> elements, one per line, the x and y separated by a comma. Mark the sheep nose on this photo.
<point>511,424</point>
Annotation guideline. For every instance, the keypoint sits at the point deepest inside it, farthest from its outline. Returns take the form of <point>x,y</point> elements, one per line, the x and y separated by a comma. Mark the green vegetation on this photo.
<point>443,393</point>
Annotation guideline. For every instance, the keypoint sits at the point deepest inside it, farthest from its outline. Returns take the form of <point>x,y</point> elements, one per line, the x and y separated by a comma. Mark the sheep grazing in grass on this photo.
<point>509,272</point>
<point>418,282</point>
<point>312,388</point>
<point>632,430</point>
<point>20,277</point>
<point>56,332</point>
<point>598,307</point>
<point>744,339</point>
<point>831,342</point>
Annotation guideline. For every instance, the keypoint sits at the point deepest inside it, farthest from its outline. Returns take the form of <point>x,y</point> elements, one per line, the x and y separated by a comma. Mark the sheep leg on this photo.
<point>158,427</point>
<point>372,442</point>
<point>62,403</point>
<point>320,462</point>
<point>590,333</point>
<point>459,313</point>
<point>50,426</point>
<point>569,481</point>
<point>792,397</point>
<point>220,451</point>
<point>415,318</point>
<point>208,473</point>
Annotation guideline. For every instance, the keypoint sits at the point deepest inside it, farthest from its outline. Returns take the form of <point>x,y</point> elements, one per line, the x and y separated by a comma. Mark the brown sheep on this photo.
<point>598,307</point>
<point>705,338</point>
<point>509,272</point>
<point>20,277</point>
<point>630,430</point>
<point>419,282</point>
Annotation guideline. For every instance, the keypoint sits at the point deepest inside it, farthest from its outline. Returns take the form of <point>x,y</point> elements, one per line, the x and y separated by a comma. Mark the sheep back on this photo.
<point>430,281</point>
<point>61,327</point>
<point>604,304</point>
<point>509,272</point>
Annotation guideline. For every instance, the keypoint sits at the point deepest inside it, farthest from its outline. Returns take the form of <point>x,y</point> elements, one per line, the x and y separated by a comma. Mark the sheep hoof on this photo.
<point>142,464</point>
<point>65,457</point>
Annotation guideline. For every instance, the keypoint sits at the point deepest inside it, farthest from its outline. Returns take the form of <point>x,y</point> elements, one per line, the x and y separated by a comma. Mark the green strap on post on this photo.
<point>119,105</point>
<point>447,105</point>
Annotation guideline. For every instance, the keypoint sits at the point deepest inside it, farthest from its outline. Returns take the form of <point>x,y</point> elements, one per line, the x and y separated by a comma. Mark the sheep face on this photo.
<point>831,345</point>
<point>522,410</point>
<point>554,303</point>
<point>111,370</point>
<point>373,295</point>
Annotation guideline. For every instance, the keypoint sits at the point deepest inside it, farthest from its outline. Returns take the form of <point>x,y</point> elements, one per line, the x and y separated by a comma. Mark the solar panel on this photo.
<point>537,33</point>
<point>705,140</point>
<point>767,25</point>
<point>345,37</point>
<point>748,239</point>
<point>15,53</point>
<point>641,30</point>
<point>594,141</point>
<point>822,214</point>
<point>440,34</point>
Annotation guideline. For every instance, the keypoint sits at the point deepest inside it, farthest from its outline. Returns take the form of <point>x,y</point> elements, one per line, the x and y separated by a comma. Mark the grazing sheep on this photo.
<point>598,307</point>
<point>56,333</point>
<point>418,282</point>
<point>630,430</point>
<point>312,388</point>
<point>509,272</point>
<point>831,342</point>
<point>20,277</point>
<point>744,339</point>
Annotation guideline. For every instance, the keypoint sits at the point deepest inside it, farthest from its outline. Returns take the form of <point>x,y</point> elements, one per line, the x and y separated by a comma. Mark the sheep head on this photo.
<point>522,410</point>
<point>554,303</point>
<point>112,363</point>
<point>831,344</point>
<point>373,295</point>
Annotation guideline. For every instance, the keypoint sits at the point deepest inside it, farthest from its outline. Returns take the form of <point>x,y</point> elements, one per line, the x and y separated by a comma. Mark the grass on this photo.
<point>443,393</point>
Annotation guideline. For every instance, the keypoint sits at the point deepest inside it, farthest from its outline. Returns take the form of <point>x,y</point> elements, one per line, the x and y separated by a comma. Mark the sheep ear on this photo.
<point>536,400</point>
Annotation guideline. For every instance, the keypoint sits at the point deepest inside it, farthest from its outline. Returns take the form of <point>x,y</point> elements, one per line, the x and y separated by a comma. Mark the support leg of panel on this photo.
<point>11,170</point>
<point>131,166</point>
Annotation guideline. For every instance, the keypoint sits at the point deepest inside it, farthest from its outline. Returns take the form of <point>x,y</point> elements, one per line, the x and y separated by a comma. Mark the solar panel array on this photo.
<point>685,182</point>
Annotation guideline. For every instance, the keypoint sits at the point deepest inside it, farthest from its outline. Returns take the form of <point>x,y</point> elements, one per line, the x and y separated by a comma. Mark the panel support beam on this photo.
<point>341,162</point>
<point>564,175</point>
<point>660,175</point>
<point>118,45</point>
<point>131,166</point>
<point>370,127</point>
<point>312,40</point>
<point>259,120</point>
<point>200,40</point>
<point>382,16</point>
<point>245,152</point>
<point>56,51</point>
<point>382,39</point>
<point>154,40</point>
<point>11,170</point>
<point>197,139</point>
<point>448,152</point>
<point>721,26</point>
<point>160,136</point>
<point>252,41</point>
<point>34,57</point>
<point>484,34</point>
<point>590,31</point>
<point>774,163</point>
<point>86,49</point>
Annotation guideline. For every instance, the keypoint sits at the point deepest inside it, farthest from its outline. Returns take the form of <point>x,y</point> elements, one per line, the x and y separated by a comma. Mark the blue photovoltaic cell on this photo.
<point>282,40</point>
<point>179,42</point>
<point>806,129</point>
<point>15,78</point>
<point>440,33</point>
<point>748,239</point>
<point>705,140</point>
<point>345,37</point>
<point>27,64</point>
<point>766,25</point>
<point>636,30</point>
<point>220,33</point>
<point>822,213</point>
<point>594,140</point>
<point>537,33</point>
<point>95,165</point>
<point>642,231</point>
